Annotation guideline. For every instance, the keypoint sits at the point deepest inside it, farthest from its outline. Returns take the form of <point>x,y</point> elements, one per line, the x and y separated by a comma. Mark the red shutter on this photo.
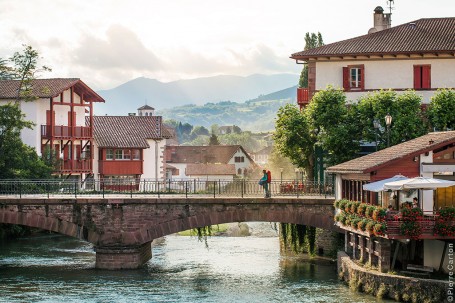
<point>417,77</point>
<point>426,76</point>
<point>346,78</point>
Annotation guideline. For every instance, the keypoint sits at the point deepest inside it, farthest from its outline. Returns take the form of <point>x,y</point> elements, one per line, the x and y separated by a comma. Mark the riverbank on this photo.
<point>384,285</point>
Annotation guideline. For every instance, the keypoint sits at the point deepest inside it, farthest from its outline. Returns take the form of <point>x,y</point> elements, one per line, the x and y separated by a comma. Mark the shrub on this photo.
<point>379,229</point>
<point>411,214</point>
<point>342,204</point>
<point>447,213</point>
<point>379,214</point>
<point>369,211</point>
<point>361,225</point>
<point>347,207</point>
<point>411,229</point>
<point>361,209</point>
<point>354,207</point>
<point>355,221</point>
<point>369,226</point>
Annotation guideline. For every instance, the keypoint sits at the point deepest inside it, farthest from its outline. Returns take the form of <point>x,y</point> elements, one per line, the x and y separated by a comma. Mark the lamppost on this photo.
<point>281,175</point>
<point>388,122</point>
<point>296,176</point>
<point>376,127</point>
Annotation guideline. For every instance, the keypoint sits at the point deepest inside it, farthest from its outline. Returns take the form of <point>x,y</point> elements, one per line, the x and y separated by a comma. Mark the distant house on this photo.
<point>228,129</point>
<point>261,157</point>
<point>209,162</point>
<point>63,118</point>
<point>417,55</point>
<point>129,147</point>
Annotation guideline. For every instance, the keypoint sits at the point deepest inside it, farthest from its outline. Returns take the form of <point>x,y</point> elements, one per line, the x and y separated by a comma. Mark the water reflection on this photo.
<point>54,268</point>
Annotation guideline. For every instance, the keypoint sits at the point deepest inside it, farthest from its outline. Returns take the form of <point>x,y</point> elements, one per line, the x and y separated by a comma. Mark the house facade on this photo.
<point>418,55</point>
<point>218,161</point>
<point>129,147</point>
<point>63,118</point>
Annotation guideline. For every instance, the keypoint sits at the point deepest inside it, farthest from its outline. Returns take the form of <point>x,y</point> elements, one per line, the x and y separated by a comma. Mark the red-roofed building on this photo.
<point>59,114</point>
<point>418,55</point>
<point>213,162</point>
<point>129,147</point>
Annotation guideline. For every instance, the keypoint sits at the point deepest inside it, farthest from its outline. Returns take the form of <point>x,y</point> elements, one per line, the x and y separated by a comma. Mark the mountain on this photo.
<point>257,115</point>
<point>131,95</point>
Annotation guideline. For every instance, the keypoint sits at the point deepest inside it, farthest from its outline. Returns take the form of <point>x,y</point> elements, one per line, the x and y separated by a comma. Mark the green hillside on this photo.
<point>255,115</point>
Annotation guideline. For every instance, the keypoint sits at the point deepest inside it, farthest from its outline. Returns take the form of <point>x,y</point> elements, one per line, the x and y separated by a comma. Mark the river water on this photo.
<point>56,268</point>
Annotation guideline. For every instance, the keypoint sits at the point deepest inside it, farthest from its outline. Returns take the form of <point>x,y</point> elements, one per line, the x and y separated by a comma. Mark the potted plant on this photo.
<point>379,229</point>
<point>361,209</point>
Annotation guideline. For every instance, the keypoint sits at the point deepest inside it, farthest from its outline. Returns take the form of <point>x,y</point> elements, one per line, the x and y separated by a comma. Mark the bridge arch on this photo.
<point>302,214</point>
<point>48,223</point>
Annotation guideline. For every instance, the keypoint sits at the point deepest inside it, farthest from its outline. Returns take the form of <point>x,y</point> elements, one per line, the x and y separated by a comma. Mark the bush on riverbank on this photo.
<point>12,231</point>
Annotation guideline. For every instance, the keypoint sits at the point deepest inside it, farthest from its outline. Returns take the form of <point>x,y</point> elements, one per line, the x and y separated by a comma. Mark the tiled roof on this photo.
<point>432,35</point>
<point>47,88</point>
<point>145,107</point>
<point>126,131</point>
<point>210,169</point>
<point>204,154</point>
<point>394,153</point>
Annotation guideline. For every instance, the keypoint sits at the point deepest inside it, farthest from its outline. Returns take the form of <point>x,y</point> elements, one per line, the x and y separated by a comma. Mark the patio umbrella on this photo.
<point>378,186</point>
<point>418,183</point>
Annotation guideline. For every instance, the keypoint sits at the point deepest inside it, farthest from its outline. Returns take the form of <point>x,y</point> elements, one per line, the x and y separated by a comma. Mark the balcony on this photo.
<point>369,220</point>
<point>76,166</point>
<point>302,97</point>
<point>64,132</point>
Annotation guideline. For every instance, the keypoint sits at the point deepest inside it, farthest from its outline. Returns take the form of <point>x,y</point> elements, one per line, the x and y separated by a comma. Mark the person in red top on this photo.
<point>269,180</point>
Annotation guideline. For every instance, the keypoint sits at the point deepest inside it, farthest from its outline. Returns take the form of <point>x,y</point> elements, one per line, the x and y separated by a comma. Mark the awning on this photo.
<point>379,185</point>
<point>418,183</point>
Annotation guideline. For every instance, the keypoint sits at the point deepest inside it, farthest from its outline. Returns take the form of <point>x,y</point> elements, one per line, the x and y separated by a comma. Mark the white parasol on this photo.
<point>418,183</point>
<point>379,185</point>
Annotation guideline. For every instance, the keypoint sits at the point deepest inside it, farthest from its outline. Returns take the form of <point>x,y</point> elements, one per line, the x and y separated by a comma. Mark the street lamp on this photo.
<point>296,176</point>
<point>281,175</point>
<point>388,122</point>
<point>376,127</point>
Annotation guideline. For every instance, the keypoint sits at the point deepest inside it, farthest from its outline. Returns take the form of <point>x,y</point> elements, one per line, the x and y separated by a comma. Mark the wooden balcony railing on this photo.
<point>76,166</point>
<point>120,167</point>
<point>302,96</point>
<point>61,131</point>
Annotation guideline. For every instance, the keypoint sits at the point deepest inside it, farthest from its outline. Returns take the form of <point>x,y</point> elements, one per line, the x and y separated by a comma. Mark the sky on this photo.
<point>109,42</point>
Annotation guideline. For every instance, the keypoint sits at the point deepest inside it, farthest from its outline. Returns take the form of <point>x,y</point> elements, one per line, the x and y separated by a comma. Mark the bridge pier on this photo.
<point>122,257</point>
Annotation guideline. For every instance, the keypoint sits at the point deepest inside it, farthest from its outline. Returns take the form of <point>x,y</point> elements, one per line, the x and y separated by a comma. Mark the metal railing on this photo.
<point>184,188</point>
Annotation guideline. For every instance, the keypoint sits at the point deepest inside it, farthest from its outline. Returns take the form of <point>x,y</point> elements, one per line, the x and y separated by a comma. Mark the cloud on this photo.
<point>121,49</point>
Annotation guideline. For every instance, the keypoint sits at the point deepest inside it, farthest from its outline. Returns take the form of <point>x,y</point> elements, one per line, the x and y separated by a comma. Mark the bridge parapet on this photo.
<point>122,229</point>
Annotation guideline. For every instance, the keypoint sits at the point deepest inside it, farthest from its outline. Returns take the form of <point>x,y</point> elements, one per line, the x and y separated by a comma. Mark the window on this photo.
<point>122,154</point>
<point>109,154</point>
<point>422,76</point>
<point>353,77</point>
<point>239,159</point>
<point>136,154</point>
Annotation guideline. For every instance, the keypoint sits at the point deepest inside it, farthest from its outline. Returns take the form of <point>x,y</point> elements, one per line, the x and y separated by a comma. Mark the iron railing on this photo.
<point>192,187</point>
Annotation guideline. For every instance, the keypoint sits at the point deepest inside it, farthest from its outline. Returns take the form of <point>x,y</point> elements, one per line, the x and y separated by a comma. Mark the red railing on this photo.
<point>302,96</point>
<point>426,224</point>
<point>120,167</point>
<point>61,131</point>
<point>76,165</point>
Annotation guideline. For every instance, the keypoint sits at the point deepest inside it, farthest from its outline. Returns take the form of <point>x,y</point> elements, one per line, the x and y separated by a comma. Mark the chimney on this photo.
<point>381,20</point>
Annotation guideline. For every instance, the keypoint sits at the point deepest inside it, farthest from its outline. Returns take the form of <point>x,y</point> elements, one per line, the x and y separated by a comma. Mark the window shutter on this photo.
<point>426,76</point>
<point>346,78</point>
<point>417,77</point>
<point>362,77</point>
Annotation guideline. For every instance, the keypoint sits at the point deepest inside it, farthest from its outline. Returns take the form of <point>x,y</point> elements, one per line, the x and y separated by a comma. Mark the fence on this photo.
<point>193,187</point>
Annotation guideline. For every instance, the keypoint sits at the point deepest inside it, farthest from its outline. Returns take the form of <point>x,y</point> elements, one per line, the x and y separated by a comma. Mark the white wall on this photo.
<point>427,195</point>
<point>432,253</point>
<point>385,74</point>
<point>246,164</point>
<point>153,160</point>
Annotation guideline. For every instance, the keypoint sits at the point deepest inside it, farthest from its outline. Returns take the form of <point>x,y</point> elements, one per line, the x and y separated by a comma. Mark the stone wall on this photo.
<point>382,285</point>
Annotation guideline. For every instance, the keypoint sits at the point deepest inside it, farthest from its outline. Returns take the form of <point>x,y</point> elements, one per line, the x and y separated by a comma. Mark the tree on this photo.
<point>330,122</point>
<point>408,121</point>
<point>441,110</point>
<point>25,70</point>
<point>214,140</point>
<point>294,138</point>
<point>311,41</point>
<point>17,160</point>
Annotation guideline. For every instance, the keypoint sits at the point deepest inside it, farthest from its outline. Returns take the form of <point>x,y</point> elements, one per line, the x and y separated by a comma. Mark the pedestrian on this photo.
<point>269,180</point>
<point>264,183</point>
<point>415,202</point>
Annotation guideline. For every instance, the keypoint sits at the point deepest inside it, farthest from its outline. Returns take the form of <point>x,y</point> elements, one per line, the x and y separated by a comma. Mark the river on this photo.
<point>55,268</point>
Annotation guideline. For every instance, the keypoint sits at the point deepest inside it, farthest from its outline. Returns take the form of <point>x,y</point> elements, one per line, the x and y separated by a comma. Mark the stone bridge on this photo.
<point>122,229</point>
